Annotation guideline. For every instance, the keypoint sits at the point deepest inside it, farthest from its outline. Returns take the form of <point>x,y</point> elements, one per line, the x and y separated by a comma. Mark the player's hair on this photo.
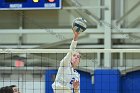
<point>75,52</point>
<point>1,89</point>
<point>6,89</point>
<point>12,86</point>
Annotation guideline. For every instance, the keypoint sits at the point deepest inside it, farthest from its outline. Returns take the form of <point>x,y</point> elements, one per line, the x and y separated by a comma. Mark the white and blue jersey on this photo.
<point>66,75</point>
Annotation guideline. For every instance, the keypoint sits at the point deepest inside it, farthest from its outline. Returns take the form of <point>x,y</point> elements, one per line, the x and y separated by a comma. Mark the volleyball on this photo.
<point>79,24</point>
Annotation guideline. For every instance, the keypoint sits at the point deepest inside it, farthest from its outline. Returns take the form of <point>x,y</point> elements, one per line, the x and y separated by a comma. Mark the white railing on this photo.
<point>66,50</point>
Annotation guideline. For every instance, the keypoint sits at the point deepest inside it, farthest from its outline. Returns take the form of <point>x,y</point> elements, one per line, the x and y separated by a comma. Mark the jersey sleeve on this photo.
<point>66,60</point>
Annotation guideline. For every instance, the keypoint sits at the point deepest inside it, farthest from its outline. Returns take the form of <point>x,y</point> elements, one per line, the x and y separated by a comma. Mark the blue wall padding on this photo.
<point>130,83</point>
<point>86,85</point>
<point>49,81</point>
<point>107,81</point>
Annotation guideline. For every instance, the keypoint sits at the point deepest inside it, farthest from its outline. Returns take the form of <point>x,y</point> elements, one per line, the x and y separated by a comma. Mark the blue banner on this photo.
<point>30,4</point>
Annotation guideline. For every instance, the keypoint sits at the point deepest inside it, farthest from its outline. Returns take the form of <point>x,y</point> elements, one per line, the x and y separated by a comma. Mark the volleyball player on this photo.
<point>68,79</point>
<point>14,88</point>
<point>9,89</point>
<point>6,89</point>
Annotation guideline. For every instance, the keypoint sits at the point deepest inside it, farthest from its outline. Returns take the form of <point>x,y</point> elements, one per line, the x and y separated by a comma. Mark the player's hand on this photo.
<point>76,34</point>
<point>76,85</point>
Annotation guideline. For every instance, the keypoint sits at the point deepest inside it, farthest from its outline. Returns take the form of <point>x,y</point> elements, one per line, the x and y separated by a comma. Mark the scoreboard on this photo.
<point>29,4</point>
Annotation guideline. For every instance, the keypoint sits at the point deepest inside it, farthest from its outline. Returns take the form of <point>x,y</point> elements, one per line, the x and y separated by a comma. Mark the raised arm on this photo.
<point>74,41</point>
<point>66,60</point>
<point>76,34</point>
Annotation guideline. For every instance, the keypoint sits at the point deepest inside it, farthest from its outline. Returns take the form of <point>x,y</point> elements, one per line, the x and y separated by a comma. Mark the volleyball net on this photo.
<point>27,68</point>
